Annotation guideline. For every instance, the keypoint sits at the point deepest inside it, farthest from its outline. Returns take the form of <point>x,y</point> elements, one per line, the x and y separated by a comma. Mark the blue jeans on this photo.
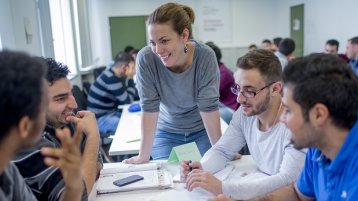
<point>165,141</point>
<point>107,124</point>
<point>225,113</point>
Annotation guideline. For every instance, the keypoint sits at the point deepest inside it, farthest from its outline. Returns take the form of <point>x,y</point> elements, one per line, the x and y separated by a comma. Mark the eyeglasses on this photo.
<point>247,94</point>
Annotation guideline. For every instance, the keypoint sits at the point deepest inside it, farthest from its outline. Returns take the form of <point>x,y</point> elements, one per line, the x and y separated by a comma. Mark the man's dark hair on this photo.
<point>266,41</point>
<point>252,46</point>
<point>287,46</point>
<point>20,88</point>
<point>354,40</point>
<point>333,42</point>
<point>277,41</point>
<point>122,58</point>
<point>216,50</point>
<point>134,51</point>
<point>326,79</point>
<point>265,61</point>
<point>128,48</point>
<point>56,70</point>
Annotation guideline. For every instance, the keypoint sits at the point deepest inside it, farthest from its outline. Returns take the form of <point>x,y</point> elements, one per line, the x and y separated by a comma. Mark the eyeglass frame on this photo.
<point>235,91</point>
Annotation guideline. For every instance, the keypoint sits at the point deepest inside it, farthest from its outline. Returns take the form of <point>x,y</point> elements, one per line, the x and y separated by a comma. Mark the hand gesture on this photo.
<point>67,158</point>
<point>130,71</point>
<point>186,167</point>
<point>88,121</point>
<point>205,180</point>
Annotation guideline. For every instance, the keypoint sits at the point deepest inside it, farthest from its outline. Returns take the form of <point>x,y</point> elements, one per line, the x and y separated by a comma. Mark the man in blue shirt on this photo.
<point>321,102</point>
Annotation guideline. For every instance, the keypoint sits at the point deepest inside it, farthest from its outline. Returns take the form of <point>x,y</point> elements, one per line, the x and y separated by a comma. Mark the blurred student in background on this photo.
<point>266,44</point>
<point>228,103</point>
<point>113,87</point>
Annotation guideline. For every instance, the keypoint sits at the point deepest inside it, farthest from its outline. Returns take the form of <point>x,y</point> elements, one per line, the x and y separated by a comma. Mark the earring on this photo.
<point>186,50</point>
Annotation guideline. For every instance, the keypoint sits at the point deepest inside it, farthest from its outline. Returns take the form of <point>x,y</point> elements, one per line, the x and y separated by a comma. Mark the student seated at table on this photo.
<point>255,123</point>
<point>47,182</point>
<point>115,86</point>
<point>325,123</point>
<point>23,104</point>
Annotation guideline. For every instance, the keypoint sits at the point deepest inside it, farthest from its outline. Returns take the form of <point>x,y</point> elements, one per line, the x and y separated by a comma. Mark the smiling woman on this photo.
<point>178,85</point>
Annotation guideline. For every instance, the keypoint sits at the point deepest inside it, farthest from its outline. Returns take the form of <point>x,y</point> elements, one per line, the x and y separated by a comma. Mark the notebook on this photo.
<point>155,177</point>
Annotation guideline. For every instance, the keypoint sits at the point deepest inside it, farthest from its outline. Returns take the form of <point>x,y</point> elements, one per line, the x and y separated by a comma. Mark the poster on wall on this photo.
<point>214,21</point>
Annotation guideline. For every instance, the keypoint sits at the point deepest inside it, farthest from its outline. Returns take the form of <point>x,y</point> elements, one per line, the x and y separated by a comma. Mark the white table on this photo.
<point>246,164</point>
<point>128,134</point>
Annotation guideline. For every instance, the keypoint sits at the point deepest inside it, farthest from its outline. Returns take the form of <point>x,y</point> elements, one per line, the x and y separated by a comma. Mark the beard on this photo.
<point>307,137</point>
<point>261,106</point>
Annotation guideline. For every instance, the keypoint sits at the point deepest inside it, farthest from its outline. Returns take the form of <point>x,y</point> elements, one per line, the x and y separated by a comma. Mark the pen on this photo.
<point>135,140</point>
<point>190,168</point>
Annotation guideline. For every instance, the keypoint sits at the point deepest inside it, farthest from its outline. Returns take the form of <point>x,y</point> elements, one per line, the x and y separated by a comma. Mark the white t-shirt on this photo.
<point>271,150</point>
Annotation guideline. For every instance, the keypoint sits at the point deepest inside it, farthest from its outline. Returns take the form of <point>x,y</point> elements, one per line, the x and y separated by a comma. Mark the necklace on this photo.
<point>278,111</point>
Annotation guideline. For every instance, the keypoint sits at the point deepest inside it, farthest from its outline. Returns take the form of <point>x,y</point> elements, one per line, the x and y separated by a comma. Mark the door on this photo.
<point>127,31</point>
<point>297,28</point>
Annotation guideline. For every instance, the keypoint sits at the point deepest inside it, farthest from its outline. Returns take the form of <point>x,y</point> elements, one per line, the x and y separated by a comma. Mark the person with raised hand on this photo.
<point>47,182</point>
<point>23,108</point>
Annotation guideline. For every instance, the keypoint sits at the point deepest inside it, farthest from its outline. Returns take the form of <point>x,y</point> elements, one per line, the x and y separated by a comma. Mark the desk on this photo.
<point>246,163</point>
<point>128,134</point>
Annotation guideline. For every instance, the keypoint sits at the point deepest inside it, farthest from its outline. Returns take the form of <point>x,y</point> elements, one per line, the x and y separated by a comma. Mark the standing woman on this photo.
<point>178,85</point>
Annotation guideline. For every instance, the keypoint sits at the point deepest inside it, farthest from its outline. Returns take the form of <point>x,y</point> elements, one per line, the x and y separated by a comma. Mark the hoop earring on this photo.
<point>186,50</point>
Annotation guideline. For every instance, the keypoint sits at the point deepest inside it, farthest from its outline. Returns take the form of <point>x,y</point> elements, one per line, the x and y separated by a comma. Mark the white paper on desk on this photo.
<point>221,175</point>
<point>131,168</point>
<point>153,179</point>
<point>197,194</point>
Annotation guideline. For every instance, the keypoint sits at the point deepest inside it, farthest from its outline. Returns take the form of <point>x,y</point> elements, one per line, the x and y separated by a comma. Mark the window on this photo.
<point>65,35</point>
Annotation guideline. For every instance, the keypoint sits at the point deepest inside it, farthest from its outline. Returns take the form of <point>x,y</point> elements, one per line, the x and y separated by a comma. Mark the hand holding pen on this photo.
<point>186,167</point>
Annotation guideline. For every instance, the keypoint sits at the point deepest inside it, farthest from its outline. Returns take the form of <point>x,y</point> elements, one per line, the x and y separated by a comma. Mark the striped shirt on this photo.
<point>109,91</point>
<point>45,182</point>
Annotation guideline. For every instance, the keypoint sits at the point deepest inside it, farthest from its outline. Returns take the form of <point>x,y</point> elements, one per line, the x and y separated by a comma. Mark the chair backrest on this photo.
<point>79,97</point>
<point>98,71</point>
<point>86,87</point>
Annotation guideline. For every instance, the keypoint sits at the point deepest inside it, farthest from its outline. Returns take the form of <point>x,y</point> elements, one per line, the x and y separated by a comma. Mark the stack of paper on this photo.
<point>155,177</point>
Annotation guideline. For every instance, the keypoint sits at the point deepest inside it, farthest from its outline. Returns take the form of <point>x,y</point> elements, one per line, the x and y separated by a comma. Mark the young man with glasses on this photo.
<point>255,123</point>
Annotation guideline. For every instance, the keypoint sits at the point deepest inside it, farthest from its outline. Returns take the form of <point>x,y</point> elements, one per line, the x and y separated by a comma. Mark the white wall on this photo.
<point>324,19</point>
<point>244,13</point>
<point>6,25</point>
<point>101,10</point>
<point>253,21</point>
<point>22,9</point>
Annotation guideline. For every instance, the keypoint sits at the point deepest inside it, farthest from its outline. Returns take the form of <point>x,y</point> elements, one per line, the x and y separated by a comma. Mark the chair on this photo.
<point>98,71</point>
<point>81,100</point>
<point>79,97</point>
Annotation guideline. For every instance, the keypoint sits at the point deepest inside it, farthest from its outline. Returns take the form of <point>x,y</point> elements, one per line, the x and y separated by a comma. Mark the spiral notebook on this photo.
<point>155,177</point>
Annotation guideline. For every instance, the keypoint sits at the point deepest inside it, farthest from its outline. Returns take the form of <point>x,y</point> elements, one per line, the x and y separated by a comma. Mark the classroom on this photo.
<point>166,100</point>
